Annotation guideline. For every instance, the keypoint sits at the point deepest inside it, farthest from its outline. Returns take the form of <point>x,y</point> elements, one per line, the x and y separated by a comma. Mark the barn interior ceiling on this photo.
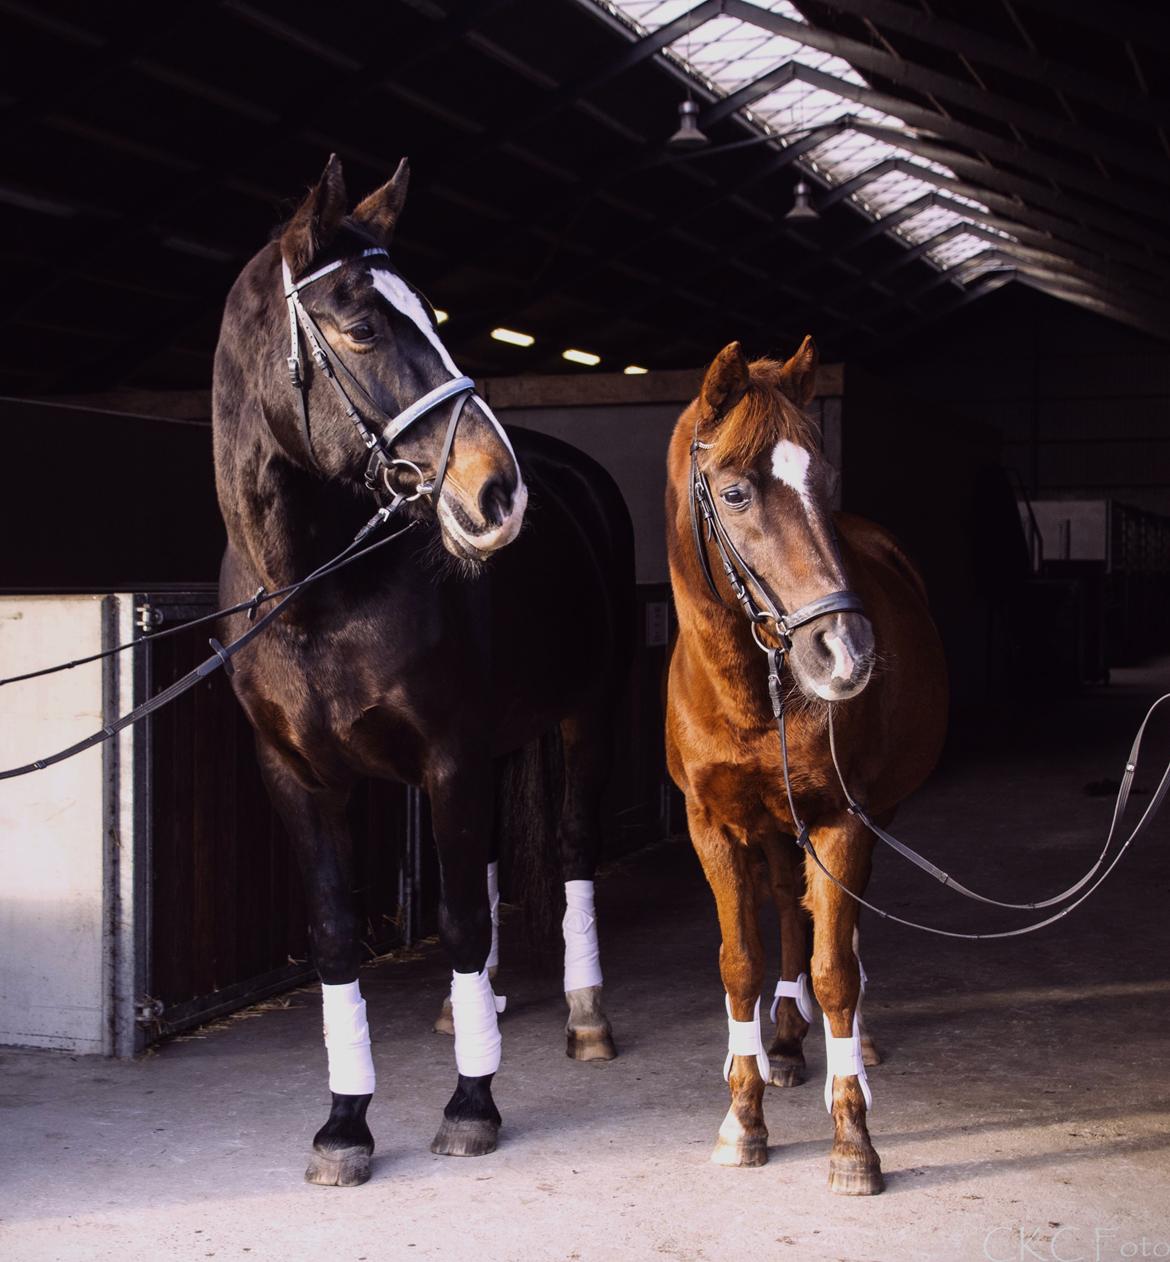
<point>951,148</point>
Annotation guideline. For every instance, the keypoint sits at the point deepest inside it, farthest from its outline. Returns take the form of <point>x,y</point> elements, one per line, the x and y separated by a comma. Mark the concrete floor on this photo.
<point>1022,1111</point>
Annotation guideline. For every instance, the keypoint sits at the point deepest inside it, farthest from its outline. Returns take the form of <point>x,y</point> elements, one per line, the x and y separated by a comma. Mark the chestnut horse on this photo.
<point>880,670</point>
<point>445,658</point>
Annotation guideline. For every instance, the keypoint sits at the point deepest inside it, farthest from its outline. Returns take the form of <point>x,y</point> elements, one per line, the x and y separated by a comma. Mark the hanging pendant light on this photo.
<point>802,207</point>
<point>688,135</point>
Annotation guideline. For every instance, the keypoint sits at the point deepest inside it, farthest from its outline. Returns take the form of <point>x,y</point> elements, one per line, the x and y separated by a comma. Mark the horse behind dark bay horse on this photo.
<point>746,439</point>
<point>424,662</point>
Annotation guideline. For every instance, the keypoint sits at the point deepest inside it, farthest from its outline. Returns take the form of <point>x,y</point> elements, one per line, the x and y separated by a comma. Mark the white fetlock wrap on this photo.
<point>347,1040</point>
<point>477,1030</point>
<point>493,884</point>
<point>582,954</point>
<point>798,990</point>
<point>743,1039</point>
<point>843,1058</point>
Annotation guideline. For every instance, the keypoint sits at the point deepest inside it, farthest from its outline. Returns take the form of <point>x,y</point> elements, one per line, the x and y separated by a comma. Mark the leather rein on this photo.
<point>763,612</point>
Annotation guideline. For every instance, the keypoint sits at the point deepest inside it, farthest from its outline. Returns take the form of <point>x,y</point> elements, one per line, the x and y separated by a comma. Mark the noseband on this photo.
<point>382,461</point>
<point>705,520</point>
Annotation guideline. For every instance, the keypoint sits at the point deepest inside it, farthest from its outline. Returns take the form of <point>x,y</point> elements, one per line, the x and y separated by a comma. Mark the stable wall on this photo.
<point>1083,402</point>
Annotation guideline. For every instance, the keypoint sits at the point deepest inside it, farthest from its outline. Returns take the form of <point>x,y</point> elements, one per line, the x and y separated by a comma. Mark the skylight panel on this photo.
<point>959,249</point>
<point>725,53</point>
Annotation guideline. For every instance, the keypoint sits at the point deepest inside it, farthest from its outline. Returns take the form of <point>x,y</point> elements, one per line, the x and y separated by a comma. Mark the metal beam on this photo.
<point>1014,212</point>
<point>965,41</point>
<point>922,79</point>
<point>1100,306</point>
<point>982,142</point>
<point>891,333</point>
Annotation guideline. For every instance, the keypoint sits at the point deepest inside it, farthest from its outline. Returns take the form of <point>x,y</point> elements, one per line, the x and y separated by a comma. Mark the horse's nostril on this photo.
<point>495,501</point>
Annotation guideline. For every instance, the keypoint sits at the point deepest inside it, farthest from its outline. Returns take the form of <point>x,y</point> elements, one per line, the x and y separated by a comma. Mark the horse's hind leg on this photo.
<point>586,759</point>
<point>743,1137</point>
<point>845,850</point>
<point>316,824</point>
<point>445,1021</point>
<point>870,1055</point>
<point>786,1051</point>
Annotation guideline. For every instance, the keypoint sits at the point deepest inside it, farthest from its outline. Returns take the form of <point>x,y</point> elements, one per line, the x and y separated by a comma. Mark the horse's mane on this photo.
<point>762,418</point>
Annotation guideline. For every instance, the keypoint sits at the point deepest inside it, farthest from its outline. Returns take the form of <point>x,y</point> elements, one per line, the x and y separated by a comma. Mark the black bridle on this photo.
<point>751,592</point>
<point>377,441</point>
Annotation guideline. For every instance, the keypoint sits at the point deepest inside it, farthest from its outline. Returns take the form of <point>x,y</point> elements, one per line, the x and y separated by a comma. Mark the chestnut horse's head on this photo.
<point>384,334</point>
<point>771,487</point>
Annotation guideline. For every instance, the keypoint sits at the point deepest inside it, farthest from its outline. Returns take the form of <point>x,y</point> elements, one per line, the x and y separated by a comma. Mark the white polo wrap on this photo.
<point>347,1040</point>
<point>843,1058</point>
<point>582,954</point>
<point>493,884</point>
<point>744,1039</point>
<point>477,1029</point>
<point>798,990</point>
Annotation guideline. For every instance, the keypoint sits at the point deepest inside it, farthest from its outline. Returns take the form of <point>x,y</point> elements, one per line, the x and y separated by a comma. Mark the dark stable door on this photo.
<point>221,920</point>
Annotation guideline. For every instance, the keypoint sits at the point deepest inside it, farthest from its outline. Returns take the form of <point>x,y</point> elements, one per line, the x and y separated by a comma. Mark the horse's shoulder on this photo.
<point>875,543</point>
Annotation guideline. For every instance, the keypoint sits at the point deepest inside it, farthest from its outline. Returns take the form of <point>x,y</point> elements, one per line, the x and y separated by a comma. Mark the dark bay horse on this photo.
<point>425,662</point>
<point>881,671</point>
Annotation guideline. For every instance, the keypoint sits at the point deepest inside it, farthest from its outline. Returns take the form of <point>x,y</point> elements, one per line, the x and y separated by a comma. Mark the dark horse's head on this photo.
<point>384,334</point>
<point>771,487</point>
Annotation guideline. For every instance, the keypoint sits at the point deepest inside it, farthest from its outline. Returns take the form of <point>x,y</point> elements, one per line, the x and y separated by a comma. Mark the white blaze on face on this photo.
<point>404,300</point>
<point>790,465</point>
<point>842,658</point>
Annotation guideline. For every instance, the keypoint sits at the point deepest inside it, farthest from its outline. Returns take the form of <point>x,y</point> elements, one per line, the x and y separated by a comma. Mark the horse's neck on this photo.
<point>286,523</point>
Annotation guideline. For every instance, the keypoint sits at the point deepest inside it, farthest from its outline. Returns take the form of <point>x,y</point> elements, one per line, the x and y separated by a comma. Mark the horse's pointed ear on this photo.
<point>725,383</point>
<point>316,219</point>
<point>379,212</point>
<point>798,377</point>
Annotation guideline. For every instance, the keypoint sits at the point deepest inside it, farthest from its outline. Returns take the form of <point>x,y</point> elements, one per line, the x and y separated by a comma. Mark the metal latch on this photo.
<point>148,617</point>
<point>148,1011</point>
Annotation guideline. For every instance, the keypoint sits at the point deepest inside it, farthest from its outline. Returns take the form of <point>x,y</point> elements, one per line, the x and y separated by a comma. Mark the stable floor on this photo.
<point>1023,1110</point>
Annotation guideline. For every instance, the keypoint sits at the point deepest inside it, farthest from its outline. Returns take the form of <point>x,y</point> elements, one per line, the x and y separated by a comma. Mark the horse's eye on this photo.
<point>361,332</point>
<point>734,497</point>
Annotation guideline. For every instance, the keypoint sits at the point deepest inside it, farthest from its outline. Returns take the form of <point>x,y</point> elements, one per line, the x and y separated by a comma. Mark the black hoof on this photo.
<point>339,1167</point>
<point>471,1137</point>
<point>343,1146</point>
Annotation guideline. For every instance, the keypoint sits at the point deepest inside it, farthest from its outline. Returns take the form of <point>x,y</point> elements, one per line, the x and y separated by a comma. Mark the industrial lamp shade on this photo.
<point>802,207</point>
<point>688,135</point>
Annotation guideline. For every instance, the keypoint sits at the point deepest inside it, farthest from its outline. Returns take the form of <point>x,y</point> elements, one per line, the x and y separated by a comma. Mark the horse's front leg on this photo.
<point>791,1003</point>
<point>845,848</point>
<point>743,1136</point>
<point>316,824</point>
<point>461,809</point>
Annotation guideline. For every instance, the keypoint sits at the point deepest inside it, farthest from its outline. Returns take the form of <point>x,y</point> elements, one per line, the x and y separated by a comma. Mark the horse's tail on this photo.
<point>529,792</point>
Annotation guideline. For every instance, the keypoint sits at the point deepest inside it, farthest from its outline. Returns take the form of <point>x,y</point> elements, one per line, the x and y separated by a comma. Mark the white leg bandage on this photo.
<point>798,990</point>
<point>743,1039</point>
<point>347,1040</point>
<point>582,954</point>
<point>842,1058</point>
<point>477,1030</point>
<point>493,884</point>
